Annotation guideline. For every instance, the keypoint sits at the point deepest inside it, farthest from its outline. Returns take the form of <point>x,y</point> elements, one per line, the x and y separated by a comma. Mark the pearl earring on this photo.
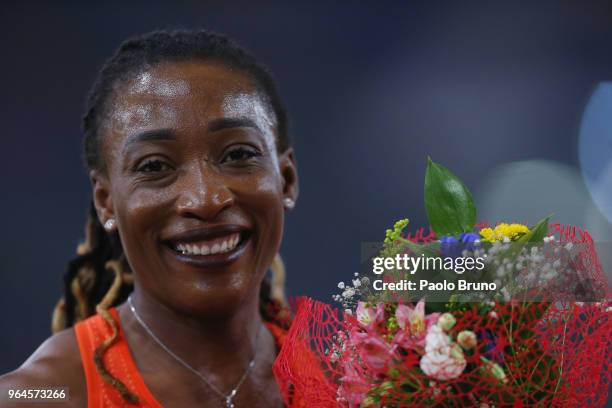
<point>288,203</point>
<point>109,224</point>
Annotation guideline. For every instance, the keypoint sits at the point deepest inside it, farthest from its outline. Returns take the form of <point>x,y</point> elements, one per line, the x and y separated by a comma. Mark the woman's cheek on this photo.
<point>264,199</point>
<point>140,217</point>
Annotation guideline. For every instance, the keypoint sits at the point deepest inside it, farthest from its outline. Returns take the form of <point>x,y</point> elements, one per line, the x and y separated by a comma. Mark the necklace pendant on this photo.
<point>228,402</point>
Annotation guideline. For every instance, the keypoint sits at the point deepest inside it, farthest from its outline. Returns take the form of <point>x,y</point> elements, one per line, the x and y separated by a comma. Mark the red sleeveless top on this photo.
<point>90,333</point>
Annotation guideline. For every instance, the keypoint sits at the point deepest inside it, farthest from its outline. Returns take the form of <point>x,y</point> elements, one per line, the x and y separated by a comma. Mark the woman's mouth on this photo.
<point>209,248</point>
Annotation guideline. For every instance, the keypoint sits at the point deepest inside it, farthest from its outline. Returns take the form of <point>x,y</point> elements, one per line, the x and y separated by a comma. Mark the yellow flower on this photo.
<point>501,231</point>
<point>392,235</point>
<point>487,234</point>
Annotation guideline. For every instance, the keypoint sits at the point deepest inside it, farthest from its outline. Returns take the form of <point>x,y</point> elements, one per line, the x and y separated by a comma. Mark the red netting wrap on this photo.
<point>302,368</point>
<point>586,266</point>
<point>513,354</point>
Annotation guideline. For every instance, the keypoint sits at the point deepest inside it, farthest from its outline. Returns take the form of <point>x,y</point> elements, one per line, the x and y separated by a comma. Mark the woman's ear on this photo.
<point>102,200</point>
<point>288,172</point>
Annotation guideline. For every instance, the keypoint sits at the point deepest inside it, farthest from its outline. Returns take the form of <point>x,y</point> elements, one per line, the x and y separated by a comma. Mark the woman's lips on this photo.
<point>212,252</point>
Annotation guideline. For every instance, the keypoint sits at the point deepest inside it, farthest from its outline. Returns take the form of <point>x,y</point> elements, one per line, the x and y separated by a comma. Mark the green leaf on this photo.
<point>449,204</point>
<point>536,233</point>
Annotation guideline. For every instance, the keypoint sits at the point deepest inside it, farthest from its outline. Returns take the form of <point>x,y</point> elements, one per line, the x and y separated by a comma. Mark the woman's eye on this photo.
<point>153,166</point>
<point>240,154</point>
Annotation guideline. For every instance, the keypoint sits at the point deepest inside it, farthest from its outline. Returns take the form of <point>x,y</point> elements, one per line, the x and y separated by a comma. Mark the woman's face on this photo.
<point>195,183</point>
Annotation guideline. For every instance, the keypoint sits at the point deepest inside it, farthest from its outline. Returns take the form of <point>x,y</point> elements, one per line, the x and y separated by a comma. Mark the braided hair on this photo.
<point>99,277</point>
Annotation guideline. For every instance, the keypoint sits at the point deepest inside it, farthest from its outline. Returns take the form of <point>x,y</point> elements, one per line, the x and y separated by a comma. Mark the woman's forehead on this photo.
<point>187,95</point>
<point>176,79</point>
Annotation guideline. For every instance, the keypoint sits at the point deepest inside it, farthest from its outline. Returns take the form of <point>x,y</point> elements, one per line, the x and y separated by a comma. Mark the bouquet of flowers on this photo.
<point>501,315</point>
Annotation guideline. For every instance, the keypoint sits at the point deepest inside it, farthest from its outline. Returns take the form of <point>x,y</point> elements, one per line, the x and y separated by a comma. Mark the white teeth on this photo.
<point>218,247</point>
<point>232,242</point>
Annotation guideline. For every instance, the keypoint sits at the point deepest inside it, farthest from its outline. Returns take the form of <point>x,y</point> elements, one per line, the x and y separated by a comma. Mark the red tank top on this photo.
<point>90,333</point>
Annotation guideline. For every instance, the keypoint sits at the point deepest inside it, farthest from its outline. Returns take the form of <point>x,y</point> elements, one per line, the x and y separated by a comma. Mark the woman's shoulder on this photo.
<point>56,363</point>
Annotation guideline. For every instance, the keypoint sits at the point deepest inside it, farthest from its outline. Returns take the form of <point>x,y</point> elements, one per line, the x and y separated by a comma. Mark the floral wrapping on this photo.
<point>509,354</point>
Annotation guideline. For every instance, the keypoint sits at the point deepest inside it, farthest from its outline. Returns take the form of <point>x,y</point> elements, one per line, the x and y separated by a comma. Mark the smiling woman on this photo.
<point>192,172</point>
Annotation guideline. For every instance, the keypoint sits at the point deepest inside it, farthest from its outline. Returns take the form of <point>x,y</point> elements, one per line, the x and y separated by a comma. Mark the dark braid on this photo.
<point>99,276</point>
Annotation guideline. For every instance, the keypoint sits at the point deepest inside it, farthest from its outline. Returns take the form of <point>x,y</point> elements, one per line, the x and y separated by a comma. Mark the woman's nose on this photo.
<point>204,194</point>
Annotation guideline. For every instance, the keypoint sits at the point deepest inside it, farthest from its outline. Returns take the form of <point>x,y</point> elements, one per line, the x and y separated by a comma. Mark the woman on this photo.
<point>191,170</point>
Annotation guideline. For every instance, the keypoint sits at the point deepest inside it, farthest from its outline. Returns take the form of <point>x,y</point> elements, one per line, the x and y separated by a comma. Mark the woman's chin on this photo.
<point>211,291</point>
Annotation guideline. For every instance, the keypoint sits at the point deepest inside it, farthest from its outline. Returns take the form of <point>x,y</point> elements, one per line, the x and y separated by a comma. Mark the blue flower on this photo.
<point>468,239</point>
<point>450,247</point>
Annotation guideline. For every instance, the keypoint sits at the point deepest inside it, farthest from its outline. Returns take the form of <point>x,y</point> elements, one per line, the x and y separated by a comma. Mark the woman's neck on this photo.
<point>223,346</point>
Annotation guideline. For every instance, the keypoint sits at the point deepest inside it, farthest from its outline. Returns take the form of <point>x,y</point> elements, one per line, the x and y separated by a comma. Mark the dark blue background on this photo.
<point>371,90</point>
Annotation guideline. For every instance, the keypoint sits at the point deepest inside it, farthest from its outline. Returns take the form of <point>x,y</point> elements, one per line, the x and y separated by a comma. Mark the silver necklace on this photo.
<point>226,397</point>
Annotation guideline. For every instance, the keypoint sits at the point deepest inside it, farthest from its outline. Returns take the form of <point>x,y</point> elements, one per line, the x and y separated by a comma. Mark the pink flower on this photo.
<point>354,386</point>
<point>413,325</point>
<point>443,359</point>
<point>375,352</point>
<point>369,316</point>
